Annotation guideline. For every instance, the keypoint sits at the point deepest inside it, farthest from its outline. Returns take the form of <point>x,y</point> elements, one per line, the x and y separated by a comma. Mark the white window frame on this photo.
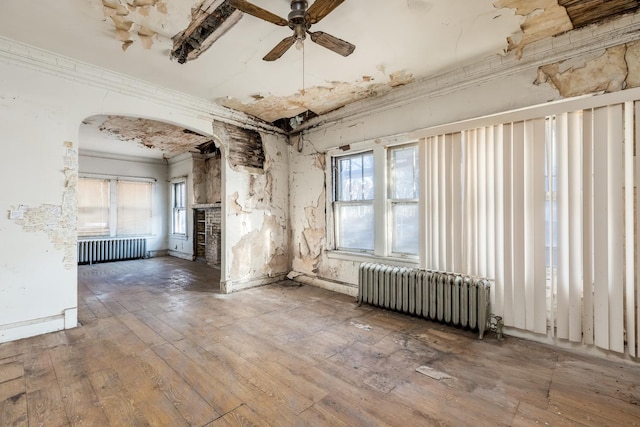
<point>337,204</point>
<point>113,203</point>
<point>382,245</point>
<point>175,209</point>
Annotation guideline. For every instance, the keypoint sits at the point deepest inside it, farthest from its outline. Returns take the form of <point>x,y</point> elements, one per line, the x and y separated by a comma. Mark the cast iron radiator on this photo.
<point>444,297</point>
<point>114,249</point>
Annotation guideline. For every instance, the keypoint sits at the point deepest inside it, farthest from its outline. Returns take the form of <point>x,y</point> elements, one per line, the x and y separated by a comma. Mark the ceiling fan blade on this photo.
<point>335,44</point>
<point>280,49</point>
<point>258,12</point>
<point>321,8</point>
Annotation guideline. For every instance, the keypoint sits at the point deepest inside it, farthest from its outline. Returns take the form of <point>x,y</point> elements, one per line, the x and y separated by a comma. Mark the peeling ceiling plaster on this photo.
<point>409,37</point>
<point>138,137</point>
<point>397,42</point>
<point>319,99</point>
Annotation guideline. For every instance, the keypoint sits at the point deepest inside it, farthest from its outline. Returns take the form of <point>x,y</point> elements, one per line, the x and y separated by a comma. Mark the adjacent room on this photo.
<point>323,212</point>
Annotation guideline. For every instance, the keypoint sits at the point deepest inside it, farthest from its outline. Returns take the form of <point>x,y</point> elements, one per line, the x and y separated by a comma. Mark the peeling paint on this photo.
<point>260,191</point>
<point>632,58</point>
<point>312,241</point>
<point>207,180</point>
<point>232,204</point>
<point>319,99</point>
<point>58,222</point>
<point>244,148</point>
<point>541,19</point>
<point>256,253</point>
<point>172,140</point>
<point>135,17</point>
<point>607,72</point>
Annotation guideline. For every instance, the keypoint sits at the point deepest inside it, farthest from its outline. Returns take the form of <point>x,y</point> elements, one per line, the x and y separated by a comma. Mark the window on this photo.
<point>403,199</point>
<point>178,195</point>
<point>383,180</point>
<point>353,207</point>
<point>93,207</point>
<point>134,208</point>
<point>112,207</point>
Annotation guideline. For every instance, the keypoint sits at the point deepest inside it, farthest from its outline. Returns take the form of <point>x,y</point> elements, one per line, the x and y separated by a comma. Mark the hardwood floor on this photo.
<point>159,346</point>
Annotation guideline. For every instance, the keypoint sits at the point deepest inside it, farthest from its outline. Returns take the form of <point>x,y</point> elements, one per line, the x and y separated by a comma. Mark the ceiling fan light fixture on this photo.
<point>300,33</point>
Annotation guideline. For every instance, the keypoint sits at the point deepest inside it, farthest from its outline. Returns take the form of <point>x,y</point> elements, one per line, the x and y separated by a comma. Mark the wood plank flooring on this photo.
<point>159,346</point>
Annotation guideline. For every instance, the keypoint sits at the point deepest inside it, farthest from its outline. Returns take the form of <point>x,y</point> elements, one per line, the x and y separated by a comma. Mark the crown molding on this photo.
<point>20,54</point>
<point>589,39</point>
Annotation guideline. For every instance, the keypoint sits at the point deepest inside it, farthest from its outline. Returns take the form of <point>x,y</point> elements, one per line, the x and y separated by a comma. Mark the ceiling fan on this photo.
<point>299,20</point>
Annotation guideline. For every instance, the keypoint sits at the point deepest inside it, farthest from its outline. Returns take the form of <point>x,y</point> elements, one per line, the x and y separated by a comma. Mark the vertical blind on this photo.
<point>544,207</point>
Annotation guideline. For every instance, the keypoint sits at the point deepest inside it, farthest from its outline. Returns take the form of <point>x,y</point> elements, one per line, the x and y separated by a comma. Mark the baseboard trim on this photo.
<point>238,285</point>
<point>181,255</point>
<point>44,325</point>
<point>340,287</point>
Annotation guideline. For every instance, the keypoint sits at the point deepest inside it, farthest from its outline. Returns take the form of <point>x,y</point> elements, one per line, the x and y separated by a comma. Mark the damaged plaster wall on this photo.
<point>41,110</point>
<point>38,205</point>
<point>599,70</point>
<point>255,214</point>
<point>608,70</point>
<point>207,179</point>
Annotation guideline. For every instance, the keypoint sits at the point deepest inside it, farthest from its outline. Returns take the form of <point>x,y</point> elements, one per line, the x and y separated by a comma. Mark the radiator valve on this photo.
<point>496,325</point>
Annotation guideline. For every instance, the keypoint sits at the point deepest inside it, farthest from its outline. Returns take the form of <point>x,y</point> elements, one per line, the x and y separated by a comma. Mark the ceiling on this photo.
<point>397,42</point>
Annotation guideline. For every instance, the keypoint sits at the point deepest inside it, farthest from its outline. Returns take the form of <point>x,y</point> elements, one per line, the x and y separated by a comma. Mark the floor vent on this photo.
<point>444,297</point>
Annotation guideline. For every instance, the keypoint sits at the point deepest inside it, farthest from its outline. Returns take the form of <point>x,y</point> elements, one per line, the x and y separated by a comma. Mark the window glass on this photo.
<point>355,177</point>
<point>354,202</point>
<point>404,172</point>
<point>403,199</point>
<point>93,207</point>
<point>179,208</point>
<point>134,208</point>
<point>356,227</point>
<point>405,230</point>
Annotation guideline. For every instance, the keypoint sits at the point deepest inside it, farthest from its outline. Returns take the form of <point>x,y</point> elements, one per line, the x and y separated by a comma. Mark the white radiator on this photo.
<point>445,297</point>
<point>114,249</point>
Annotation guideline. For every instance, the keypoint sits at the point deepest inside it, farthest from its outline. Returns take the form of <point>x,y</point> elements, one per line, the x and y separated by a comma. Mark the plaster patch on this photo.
<point>234,206</point>
<point>632,57</point>
<point>605,73</point>
<point>145,18</point>
<point>312,241</point>
<point>257,254</point>
<point>319,99</point>
<point>58,222</point>
<point>172,140</point>
<point>260,191</point>
<point>541,19</point>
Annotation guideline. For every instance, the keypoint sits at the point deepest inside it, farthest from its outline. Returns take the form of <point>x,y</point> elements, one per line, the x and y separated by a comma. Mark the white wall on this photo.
<point>43,100</point>
<point>128,167</point>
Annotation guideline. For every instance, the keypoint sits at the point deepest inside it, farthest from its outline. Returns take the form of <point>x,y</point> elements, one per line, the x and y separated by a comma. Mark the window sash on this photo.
<point>179,217</point>
<point>402,193</point>
<point>93,207</point>
<point>355,233</point>
<point>134,208</point>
